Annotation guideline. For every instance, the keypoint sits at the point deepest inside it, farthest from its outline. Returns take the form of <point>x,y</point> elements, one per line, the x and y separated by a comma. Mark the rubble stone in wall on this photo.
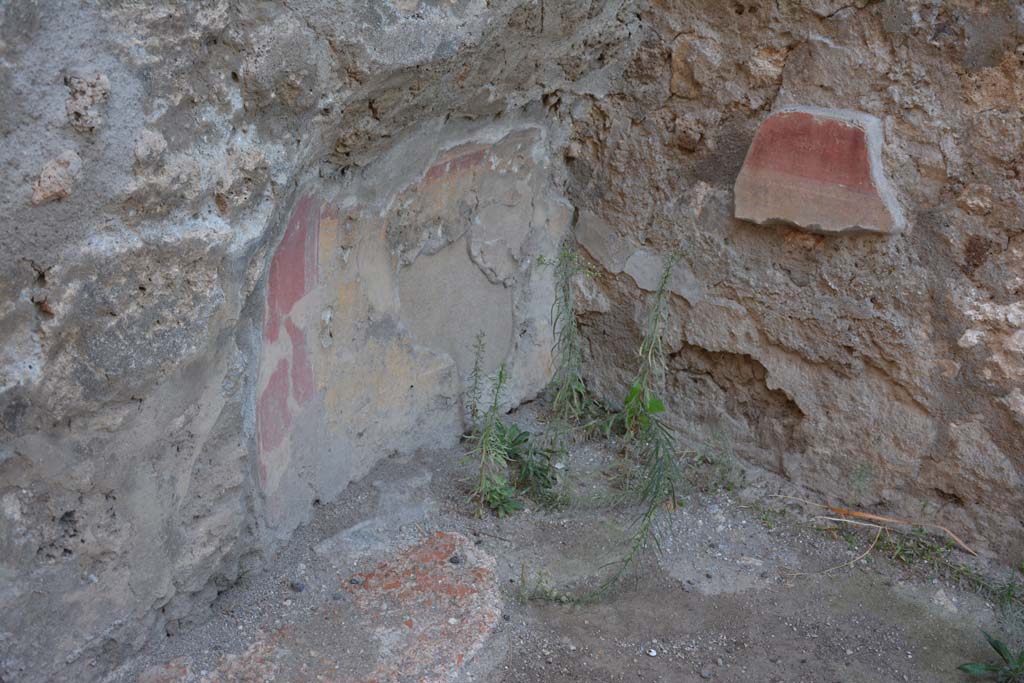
<point>57,178</point>
<point>86,99</point>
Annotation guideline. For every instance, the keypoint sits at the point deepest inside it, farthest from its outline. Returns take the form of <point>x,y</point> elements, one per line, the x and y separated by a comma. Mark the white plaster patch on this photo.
<point>970,338</point>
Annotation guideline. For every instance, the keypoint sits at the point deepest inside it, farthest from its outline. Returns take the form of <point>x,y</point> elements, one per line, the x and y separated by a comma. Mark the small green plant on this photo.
<point>535,473</point>
<point>492,448</point>
<point>529,461</point>
<point>641,403</point>
<point>476,379</point>
<point>771,517</point>
<point>571,400</point>
<point>718,468</point>
<point>538,589</point>
<point>499,495</point>
<point>516,441</point>
<point>500,448</point>
<point>651,441</point>
<point>1010,670</point>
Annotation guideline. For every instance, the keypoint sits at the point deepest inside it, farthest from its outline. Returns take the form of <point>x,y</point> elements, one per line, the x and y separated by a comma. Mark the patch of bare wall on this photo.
<point>246,248</point>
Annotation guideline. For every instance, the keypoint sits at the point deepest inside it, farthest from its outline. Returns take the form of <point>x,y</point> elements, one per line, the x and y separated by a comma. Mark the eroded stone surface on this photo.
<point>820,170</point>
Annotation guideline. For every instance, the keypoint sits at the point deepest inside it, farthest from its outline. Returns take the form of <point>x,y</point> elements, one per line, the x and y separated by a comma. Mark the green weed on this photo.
<point>770,519</point>
<point>530,590</point>
<point>492,449</point>
<point>641,403</point>
<point>515,440</point>
<point>500,449</point>
<point>571,400</point>
<point>499,495</point>
<point>1010,670</point>
<point>535,473</point>
<point>651,442</point>
<point>716,466</point>
<point>476,378</point>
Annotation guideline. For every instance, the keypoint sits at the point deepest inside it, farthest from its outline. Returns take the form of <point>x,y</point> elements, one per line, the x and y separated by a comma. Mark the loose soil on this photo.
<point>748,587</point>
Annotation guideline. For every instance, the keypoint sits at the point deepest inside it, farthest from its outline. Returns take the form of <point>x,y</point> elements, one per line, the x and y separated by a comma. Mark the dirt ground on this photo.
<point>741,592</point>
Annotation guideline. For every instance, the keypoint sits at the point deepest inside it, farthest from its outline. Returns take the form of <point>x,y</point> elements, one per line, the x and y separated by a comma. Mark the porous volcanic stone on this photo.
<point>820,170</point>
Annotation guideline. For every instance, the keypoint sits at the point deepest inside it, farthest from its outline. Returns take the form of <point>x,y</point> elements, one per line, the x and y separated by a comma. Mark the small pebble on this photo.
<point>719,662</point>
<point>652,652</point>
<point>455,559</point>
<point>355,581</point>
<point>705,673</point>
<point>297,586</point>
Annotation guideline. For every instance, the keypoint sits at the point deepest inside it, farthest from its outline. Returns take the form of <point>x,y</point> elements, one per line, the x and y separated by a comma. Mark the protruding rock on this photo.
<point>86,98</point>
<point>820,170</point>
<point>57,178</point>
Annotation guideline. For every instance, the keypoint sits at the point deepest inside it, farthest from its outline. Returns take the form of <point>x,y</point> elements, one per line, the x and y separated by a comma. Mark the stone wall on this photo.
<point>246,249</point>
<point>247,246</point>
<point>876,358</point>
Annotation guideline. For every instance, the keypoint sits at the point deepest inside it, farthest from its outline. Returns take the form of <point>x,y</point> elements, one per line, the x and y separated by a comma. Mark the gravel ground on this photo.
<point>746,587</point>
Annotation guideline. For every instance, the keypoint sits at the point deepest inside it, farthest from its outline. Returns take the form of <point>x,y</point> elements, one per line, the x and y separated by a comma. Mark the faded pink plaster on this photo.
<point>819,171</point>
<point>455,165</point>
<point>293,270</point>
<point>303,386</point>
<point>814,149</point>
<point>272,417</point>
<point>293,274</point>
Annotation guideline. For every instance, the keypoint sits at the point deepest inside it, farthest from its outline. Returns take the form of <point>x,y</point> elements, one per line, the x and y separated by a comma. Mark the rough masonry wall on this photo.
<point>232,233</point>
<point>882,370</point>
<point>211,214</point>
